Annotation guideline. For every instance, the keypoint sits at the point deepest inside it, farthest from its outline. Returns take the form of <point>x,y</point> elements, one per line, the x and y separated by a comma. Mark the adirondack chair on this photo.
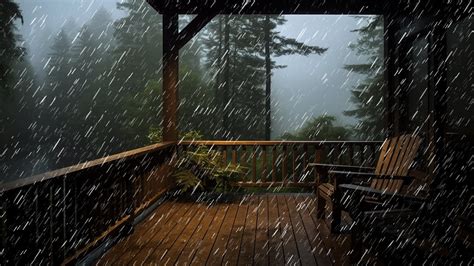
<point>386,179</point>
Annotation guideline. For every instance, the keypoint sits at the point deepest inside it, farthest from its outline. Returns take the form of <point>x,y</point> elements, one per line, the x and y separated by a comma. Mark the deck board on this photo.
<point>318,248</point>
<point>174,250</point>
<point>232,250</point>
<point>290,248</point>
<point>204,249</point>
<point>261,234</point>
<point>153,240</point>
<point>262,229</point>
<point>130,245</point>
<point>195,242</point>
<point>247,245</point>
<point>275,236</point>
<point>302,243</point>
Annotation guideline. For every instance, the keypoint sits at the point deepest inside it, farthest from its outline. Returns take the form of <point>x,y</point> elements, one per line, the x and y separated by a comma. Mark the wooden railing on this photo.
<point>58,216</point>
<point>283,163</point>
<point>55,217</point>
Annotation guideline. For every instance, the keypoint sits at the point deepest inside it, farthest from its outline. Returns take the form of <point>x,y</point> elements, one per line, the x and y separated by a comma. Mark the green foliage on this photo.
<point>202,169</point>
<point>191,135</point>
<point>155,134</point>
<point>368,95</point>
<point>319,128</point>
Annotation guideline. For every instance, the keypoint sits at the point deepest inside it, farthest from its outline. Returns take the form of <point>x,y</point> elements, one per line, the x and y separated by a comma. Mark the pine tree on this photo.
<point>277,45</point>
<point>138,69</point>
<point>241,66</point>
<point>368,94</point>
<point>59,69</point>
<point>10,51</point>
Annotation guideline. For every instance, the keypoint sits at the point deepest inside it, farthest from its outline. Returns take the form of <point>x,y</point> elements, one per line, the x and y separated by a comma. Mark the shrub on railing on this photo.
<point>202,169</point>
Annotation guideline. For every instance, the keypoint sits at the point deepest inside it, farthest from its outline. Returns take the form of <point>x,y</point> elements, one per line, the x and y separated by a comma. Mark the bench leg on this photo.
<point>321,207</point>
<point>336,212</point>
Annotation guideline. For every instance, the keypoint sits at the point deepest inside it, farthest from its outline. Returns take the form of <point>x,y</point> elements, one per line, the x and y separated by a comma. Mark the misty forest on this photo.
<point>236,132</point>
<point>86,90</point>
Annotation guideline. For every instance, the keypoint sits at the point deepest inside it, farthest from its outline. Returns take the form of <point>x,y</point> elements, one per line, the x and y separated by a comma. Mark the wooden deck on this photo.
<point>262,229</point>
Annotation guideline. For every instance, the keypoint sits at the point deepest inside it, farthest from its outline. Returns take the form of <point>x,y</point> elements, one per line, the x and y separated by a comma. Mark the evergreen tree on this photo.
<point>242,65</point>
<point>277,45</point>
<point>58,101</point>
<point>137,74</point>
<point>9,48</point>
<point>91,55</point>
<point>137,60</point>
<point>368,94</point>
<point>59,72</point>
<point>238,71</point>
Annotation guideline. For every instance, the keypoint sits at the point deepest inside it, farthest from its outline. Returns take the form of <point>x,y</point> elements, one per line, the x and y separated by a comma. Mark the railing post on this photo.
<point>264,163</point>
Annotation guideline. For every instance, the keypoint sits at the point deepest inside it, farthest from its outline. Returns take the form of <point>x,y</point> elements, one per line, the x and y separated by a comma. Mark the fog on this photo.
<point>309,86</point>
<point>56,119</point>
<point>313,85</point>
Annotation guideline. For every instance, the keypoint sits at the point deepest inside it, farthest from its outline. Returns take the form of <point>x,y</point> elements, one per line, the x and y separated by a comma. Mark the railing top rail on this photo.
<point>268,142</point>
<point>151,148</point>
<point>82,166</point>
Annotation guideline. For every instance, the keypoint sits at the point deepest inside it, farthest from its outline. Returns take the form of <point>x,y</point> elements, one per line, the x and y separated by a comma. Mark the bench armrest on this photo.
<point>381,194</point>
<point>348,177</point>
<point>329,167</point>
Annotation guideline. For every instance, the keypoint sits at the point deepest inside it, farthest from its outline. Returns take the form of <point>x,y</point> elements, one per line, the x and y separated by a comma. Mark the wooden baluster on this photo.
<point>264,164</point>
<point>318,156</point>
<point>372,154</point>
<point>254,164</point>
<point>351,153</point>
<point>234,155</point>
<point>364,155</point>
<point>274,156</point>
<point>243,163</point>
<point>305,161</point>
<point>293,162</point>
<point>224,155</point>
<point>284,166</point>
<point>338,153</point>
<point>305,155</point>
<point>357,160</point>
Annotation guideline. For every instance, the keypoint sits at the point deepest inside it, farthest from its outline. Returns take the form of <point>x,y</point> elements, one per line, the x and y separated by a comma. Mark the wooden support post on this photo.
<point>438,49</point>
<point>170,76</point>
<point>390,59</point>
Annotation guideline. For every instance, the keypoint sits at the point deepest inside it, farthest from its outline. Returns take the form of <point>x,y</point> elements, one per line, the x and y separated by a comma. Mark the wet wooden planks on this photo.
<point>261,229</point>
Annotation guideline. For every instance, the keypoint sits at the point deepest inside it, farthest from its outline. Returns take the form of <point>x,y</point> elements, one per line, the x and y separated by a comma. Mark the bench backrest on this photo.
<point>396,156</point>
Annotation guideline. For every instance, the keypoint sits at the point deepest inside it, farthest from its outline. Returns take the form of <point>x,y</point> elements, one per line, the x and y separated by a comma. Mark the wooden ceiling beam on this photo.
<point>193,28</point>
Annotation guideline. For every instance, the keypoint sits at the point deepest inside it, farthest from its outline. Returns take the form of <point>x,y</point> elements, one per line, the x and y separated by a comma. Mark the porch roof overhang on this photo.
<point>288,7</point>
<point>395,12</point>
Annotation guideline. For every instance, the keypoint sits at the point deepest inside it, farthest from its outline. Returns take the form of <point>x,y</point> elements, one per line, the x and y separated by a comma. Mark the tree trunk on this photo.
<point>268,80</point>
<point>218,80</point>
<point>225,110</point>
